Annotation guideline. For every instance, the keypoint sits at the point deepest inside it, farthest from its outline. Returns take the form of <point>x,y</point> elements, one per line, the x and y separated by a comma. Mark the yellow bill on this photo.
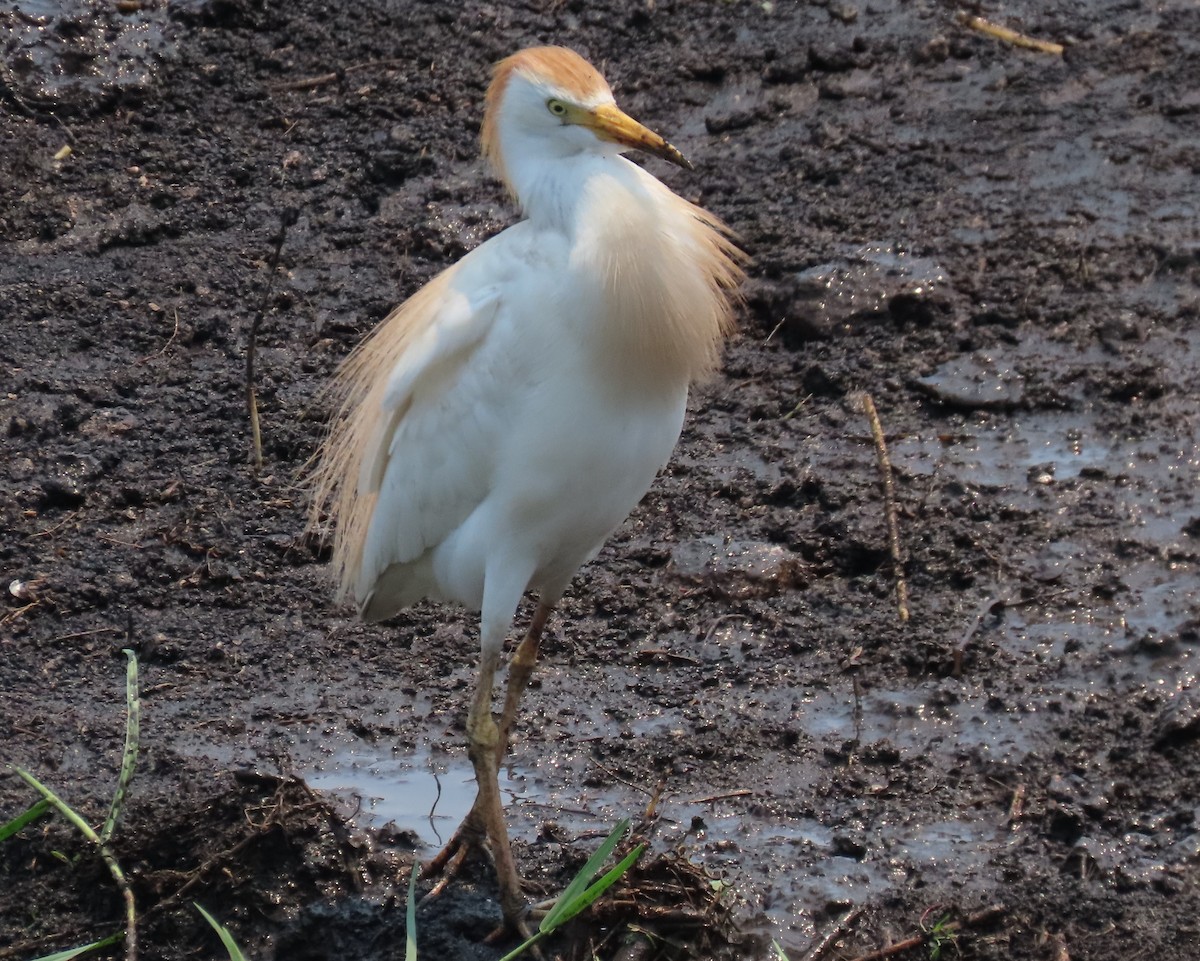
<point>609,122</point>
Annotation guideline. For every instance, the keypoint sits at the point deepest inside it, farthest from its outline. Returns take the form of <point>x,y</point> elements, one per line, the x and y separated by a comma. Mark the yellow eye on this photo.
<point>556,107</point>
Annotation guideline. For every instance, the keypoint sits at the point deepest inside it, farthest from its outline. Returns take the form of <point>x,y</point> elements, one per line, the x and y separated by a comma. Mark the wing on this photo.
<point>392,472</point>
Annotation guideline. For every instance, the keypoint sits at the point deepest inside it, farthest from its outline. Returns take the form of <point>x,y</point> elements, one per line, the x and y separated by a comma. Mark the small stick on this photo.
<point>616,777</point>
<point>889,500</point>
<point>170,340</point>
<point>669,655</point>
<point>311,83</point>
<point>834,935</point>
<point>745,792</point>
<point>994,30</point>
<point>959,652</point>
<point>652,808</point>
<point>978,919</point>
<point>288,219</point>
<point>308,83</point>
<point>1016,807</point>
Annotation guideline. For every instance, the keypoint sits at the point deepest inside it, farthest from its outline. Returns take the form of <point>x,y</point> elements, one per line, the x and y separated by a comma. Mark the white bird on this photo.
<point>499,425</point>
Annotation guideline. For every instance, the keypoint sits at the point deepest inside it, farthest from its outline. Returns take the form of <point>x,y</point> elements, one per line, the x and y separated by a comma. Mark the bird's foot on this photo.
<point>449,860</point>
<point>446,865</point>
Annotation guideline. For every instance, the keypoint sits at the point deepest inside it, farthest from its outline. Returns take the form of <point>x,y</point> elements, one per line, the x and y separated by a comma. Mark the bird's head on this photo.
<point>550,102</point>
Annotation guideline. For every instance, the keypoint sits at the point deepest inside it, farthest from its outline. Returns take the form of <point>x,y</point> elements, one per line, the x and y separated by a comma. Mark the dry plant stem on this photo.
<point>288,218</point>
<point>311,83</point>
<point>118,876</point>
<point>889,500</point>
<point>960,651</point>
<point>978,919</point>
<point>994,30</point>
<point>1016,807</point>
<point>744,792</point>
<point>834,935</point>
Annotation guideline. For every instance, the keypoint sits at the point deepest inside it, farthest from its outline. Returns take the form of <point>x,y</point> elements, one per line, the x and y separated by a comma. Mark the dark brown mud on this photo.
<point>999,246</point>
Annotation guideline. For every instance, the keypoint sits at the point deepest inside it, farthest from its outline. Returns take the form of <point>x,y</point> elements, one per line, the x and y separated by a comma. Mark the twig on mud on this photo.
<point>833,935</point>
<point>50,530</point>
<point>18,613</point>
<point>721,622</point>
<point>193,877</point>
<point>976,920</point>
<point>745,792</point>
<point>165,347</point>
<point>320,80</point>
<point>616,777</point>
<point>651,812</point>
<point>272,808</point>
<point>988,607</point>
<point>994,605</point>
<point>889,505</point>
<point>1059,943</point>
<point>287,220</point>
<point>307,83</point>
<point>652,652</point>
<point>1016,806</point>
<point>29,106</point>
<point>1004,34</point>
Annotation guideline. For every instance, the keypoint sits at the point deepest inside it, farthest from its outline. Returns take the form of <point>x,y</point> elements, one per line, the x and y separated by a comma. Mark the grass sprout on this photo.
<point>84,949</point>
<point>231,946</point>
<point>410,918</point>
<point>941,936</point>
<point>24,819</point>
<point>100,841</point>
<point>580,894</point>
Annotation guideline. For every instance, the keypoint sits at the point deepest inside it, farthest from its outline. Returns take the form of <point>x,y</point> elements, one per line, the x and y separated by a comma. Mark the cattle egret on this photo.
<point>498,426</point>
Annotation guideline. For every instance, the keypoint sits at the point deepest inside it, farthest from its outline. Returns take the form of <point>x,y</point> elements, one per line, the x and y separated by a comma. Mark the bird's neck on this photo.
<point>551,190</point>
<point>651,271</point>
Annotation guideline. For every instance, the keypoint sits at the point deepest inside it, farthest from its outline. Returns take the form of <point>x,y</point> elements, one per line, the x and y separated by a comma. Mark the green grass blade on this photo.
<point>582,901</point>
<point>778,951</point>
<point>59,805</point>
<point>76,952</point>
<point>133,721</point>
<point>231,946</point>
<point>26,818</point>
<point>586,873</point>
<point>579,894</point>
<point>410,922</point>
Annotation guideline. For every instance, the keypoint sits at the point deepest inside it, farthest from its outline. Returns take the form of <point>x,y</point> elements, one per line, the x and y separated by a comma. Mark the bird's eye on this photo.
<point>556,107</point>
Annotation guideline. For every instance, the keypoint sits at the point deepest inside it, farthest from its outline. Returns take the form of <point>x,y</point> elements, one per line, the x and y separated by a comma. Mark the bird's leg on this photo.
<point>520,669</point>
<point>469,833</point>
<point>484,740</point>
<point>481,732</point>
<point>486,816</point>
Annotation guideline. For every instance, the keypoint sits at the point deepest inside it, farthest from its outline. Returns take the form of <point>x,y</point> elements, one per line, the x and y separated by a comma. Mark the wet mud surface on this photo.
<point>999,246</point>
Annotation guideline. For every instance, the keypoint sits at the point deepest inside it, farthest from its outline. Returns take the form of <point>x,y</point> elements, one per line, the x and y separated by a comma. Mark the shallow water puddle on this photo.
<point>81,51</point>
<point>422,793</point>
<point>428,793</point>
